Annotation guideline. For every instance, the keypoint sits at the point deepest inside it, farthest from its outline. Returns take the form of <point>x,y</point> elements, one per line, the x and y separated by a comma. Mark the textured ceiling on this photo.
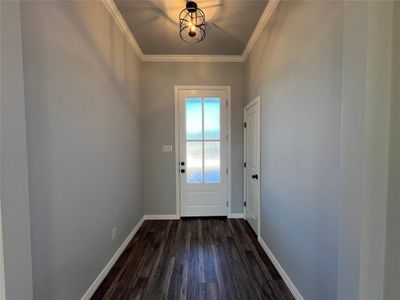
<point>155,25</point>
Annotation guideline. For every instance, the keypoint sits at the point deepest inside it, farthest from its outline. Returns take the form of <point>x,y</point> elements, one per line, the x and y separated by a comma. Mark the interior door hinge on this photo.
<point>245,124</point>
<point>226,103</point>
<point>227,204</point>
<point>227,137</point>
<point>227,172</point>
<point>244,203</point>
<point>245,164</point>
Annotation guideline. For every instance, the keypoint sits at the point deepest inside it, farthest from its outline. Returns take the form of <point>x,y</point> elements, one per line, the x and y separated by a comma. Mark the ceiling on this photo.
<point>155,25</point>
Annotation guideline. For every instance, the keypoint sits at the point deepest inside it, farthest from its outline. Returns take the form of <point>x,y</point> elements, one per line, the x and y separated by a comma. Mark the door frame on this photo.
<point>2,273</point>
<point>251,103</point>
<point>226,88</point>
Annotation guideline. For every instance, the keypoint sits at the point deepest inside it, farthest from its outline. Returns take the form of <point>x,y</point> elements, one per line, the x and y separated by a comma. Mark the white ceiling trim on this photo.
<point>119,20</point>
<point>112,8</point>
<point>193,58</point>
<point>266,15</point>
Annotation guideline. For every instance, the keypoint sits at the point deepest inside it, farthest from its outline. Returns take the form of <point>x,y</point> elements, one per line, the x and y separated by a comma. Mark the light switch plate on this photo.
<point>167,148</point>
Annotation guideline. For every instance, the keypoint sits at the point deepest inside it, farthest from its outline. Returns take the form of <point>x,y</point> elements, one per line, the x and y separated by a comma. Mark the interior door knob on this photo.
<point>255,176</point>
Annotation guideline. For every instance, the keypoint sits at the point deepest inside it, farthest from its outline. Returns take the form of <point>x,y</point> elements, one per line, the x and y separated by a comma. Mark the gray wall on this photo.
<point>14,170</point>
<point>366,93</point>
<point>376,148</point>
<point>392,263</point>
<point>296,69</point>
<point>158,81</point>
<point>83,128</point>
<point>354,63</point>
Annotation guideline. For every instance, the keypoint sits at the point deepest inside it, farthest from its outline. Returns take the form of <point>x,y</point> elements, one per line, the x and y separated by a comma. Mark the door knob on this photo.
<point>255,176</point>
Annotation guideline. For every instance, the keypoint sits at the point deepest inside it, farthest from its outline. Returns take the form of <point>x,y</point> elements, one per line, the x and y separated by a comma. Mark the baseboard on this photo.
<point>236,216</point>
<point>295,292</point>
<point>161,217</point>
<point>89,293</point>
<point>175,217</point>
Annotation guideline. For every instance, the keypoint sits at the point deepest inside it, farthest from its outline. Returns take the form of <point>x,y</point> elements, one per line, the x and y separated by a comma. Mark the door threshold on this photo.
<point>204,217</point>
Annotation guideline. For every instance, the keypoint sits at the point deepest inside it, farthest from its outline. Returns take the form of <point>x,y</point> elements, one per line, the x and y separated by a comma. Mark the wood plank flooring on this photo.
<point>196,258</point>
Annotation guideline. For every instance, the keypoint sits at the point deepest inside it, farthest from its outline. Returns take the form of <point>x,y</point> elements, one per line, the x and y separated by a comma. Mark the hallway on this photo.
<point>208,149</point>
<point>194,258</point>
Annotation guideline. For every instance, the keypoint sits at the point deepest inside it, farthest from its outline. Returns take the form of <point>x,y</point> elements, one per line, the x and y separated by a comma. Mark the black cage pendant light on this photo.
<point>192,23</point>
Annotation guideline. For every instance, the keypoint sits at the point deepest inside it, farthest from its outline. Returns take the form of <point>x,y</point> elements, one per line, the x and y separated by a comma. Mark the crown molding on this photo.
<point>120,21</point>
<point>192,58</point>
<point>266,15</point>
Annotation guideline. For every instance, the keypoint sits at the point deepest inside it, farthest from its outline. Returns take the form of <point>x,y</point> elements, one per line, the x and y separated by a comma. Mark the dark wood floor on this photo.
<point>193,259</point>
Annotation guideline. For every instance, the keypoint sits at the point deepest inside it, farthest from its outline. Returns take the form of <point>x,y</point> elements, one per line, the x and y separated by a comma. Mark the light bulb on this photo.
<point>192,28</point>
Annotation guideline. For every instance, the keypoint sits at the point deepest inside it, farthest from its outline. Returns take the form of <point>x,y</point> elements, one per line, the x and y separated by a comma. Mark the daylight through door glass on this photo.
<point>203,140</point>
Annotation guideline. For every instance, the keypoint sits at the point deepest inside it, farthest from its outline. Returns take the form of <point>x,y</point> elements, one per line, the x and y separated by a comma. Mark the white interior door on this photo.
<point>252,164</point>
<point>203,151</point>
<point>2,283</point>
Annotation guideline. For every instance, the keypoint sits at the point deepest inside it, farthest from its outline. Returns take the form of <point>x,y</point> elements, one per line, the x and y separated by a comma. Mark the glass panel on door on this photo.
<point>212,118</point>
<point>194,153</point>
<point>211,162</point>
<point>194,121</point>
<point>203,134</point>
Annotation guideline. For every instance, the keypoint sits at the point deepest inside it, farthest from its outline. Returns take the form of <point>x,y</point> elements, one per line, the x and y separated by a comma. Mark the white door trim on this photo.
<point>251,103</point>
<point>177,142</point>
<point>2,275</point>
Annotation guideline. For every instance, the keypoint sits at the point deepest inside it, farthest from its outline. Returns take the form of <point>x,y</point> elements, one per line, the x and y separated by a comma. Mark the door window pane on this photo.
<point>194,119</point>
<point>212,170</point>
<point>212,118</point>
<point>194,154</point>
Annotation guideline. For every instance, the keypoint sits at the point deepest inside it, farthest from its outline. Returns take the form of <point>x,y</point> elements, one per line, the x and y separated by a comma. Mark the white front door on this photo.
<point>2,282</point>
<point>203,149</point>
<point>252,164</point>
